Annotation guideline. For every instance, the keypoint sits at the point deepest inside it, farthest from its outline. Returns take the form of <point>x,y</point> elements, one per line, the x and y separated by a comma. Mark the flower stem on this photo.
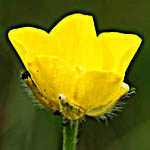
<point>70,133</point>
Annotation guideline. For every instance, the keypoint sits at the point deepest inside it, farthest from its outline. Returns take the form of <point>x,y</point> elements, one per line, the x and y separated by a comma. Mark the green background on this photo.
<point>25,127</point>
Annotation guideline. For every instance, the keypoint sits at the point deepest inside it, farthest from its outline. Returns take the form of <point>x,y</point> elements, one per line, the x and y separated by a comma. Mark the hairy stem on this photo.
<point>70,133</point>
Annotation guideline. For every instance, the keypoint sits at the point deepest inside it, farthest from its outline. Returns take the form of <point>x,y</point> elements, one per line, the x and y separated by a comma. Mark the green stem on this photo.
<point>70,133</point>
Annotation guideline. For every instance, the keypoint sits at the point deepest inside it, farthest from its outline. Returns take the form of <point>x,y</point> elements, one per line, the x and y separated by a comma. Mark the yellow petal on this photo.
<point>72,39</point>
<point>52,77</point>
<point>121,47</point>
<point>48,103</point>
<point>94,89</point>
<point>100,111</point>
<point>77,40</point>
<point>29,42</point>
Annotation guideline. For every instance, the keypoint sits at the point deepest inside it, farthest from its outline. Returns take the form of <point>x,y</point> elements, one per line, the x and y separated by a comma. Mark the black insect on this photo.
<point>25,75</point>
<point>57,113</point>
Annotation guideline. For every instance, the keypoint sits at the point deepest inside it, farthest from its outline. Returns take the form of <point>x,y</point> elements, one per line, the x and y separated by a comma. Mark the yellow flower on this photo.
<point>72,69</point>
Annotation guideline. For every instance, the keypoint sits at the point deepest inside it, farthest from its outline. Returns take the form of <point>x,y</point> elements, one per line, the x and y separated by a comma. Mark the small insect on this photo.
<point>25,75</point>
<point>57,113</point>
<point>70,111</point>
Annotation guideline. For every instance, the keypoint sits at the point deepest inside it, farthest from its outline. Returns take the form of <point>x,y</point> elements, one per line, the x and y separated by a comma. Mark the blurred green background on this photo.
<point>25,127</point>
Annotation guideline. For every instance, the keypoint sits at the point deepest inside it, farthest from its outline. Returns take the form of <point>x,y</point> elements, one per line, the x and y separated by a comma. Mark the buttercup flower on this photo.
<point>71,69</point>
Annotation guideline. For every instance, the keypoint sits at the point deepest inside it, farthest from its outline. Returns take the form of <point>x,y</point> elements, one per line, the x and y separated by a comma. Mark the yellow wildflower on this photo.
<point>72,69</point>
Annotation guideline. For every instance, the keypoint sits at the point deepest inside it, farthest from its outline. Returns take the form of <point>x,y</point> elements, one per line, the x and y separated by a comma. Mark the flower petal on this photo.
<point>100,111</point>
<point>52,77</point>
<point>121,47</point>
<point>29,42</point>
<point>94,89</point>
<point>44,101</point>
<point>77,40</point>
<point>73,39</point>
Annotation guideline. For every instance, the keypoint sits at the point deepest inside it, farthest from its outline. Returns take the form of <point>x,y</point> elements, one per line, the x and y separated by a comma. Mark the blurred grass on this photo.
<point>22,126</point>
